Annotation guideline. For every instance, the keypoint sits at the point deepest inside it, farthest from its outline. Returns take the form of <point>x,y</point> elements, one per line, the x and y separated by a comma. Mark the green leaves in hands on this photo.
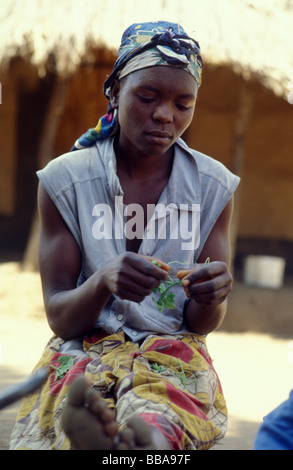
<point>166,299</point>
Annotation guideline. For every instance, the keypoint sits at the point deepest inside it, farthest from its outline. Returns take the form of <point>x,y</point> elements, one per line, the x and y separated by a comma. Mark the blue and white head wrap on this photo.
<point>146,45</point>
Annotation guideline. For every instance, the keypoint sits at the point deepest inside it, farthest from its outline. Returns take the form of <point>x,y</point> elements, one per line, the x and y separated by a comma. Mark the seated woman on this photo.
<point>129,365</point>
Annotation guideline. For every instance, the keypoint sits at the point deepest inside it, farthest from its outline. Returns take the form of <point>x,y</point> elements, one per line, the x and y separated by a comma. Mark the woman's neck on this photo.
<point>137,166</point>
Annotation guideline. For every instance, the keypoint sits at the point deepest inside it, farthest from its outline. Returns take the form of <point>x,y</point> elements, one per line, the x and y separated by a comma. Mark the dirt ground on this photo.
<point>253,351</point>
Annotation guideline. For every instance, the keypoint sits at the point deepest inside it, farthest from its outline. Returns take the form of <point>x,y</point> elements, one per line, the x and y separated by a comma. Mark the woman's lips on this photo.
<point>159,137</point>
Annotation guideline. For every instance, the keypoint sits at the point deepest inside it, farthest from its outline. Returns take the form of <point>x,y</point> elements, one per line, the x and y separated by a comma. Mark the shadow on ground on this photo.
<point>240,435</point>
<point>8,377</point>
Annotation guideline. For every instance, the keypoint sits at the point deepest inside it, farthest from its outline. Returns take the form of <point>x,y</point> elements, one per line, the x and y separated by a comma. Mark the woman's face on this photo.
<point>155,106</point>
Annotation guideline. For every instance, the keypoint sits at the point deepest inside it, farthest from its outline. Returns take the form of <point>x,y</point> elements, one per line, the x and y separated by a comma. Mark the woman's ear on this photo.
<point>114,94</point>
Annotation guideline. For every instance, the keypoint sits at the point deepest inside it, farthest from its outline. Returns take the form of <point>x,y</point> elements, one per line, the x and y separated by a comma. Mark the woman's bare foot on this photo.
<point>91,425</point>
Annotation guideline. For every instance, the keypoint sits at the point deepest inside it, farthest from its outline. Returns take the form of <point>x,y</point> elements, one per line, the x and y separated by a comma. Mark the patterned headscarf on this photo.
<point>146,45</point>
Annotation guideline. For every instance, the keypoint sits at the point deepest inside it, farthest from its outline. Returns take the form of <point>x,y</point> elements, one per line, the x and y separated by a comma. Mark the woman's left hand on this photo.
<point>208,284</point>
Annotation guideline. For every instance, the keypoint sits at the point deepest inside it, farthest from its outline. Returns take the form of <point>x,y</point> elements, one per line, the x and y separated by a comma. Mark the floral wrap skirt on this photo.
<point>169,381</point>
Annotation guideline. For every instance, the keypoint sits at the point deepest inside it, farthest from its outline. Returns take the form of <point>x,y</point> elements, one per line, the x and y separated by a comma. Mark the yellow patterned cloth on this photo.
<point>169,381</point>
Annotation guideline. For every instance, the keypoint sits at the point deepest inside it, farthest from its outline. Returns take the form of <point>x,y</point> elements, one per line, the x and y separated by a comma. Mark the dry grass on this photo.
<point>255,37</point>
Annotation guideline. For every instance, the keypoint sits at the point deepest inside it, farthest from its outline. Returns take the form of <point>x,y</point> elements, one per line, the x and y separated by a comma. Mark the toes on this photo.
<point>99,406</point>
<point>127,438</point>
<point>141,430</point>
<point>77,391</point>
<point>137,435</point>
<point>111,428</point>
<point>146,436</point>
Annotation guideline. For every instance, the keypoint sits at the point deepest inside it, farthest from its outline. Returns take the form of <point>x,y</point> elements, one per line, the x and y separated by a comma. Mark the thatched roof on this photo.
<point>254,37</point>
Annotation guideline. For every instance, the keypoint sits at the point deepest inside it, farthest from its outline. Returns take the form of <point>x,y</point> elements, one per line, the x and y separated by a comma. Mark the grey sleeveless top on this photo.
<point>86,190</point>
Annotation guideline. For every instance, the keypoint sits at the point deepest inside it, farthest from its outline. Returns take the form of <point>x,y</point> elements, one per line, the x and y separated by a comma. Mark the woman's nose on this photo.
<point>163,113</point>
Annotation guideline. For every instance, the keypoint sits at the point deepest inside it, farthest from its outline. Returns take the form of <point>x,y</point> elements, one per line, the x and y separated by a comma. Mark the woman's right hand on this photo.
<point>132,276</point>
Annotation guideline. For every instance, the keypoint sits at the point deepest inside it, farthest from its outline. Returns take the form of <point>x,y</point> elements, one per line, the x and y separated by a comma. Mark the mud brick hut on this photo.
<point>55,56</point>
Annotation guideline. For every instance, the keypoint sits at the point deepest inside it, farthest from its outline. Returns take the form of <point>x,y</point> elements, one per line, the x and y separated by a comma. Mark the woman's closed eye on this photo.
<point>146,99</point>
<point>183,107</point>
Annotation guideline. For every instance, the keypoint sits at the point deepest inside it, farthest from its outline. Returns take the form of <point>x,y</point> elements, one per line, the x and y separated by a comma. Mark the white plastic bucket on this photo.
<point>264,271</point>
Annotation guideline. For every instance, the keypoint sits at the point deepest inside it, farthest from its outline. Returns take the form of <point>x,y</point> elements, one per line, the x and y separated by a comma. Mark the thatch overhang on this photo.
<point>253,37</point>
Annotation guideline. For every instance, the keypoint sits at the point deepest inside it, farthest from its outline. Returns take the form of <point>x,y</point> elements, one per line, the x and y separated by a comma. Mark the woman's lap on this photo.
<point>167,380</point>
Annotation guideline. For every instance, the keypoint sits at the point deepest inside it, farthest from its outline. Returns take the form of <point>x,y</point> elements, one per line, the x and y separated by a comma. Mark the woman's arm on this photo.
<point>70,311</point>
<point>210,284</point>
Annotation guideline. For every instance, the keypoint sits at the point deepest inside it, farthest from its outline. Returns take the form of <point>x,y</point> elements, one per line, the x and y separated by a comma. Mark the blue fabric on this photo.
<point>276,431</point>
<point>105,127</point>
<point>140,37</point>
